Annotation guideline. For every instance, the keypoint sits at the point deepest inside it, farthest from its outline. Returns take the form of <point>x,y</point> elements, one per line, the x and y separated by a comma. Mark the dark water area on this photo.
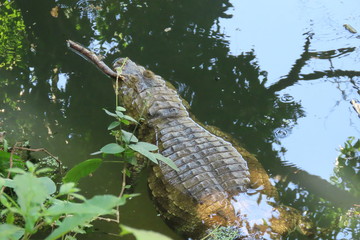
<point>278,77</point>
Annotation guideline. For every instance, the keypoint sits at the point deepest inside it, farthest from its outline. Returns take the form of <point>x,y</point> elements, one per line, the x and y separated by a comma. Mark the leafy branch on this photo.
<point>127,143</point>
<point>39,203</point>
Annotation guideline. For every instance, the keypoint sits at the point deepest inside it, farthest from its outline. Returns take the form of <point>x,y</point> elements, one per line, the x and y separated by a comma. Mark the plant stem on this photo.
<point>138,121</point>
<point>26,236</point>
<point>117,91</point>
<point>122,191</point>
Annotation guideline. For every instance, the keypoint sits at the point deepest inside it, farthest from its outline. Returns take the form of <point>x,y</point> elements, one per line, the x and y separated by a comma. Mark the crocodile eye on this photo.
<point>148,74</point>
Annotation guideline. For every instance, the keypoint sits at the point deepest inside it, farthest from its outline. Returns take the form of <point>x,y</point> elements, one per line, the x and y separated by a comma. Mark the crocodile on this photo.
<point>218,183</point>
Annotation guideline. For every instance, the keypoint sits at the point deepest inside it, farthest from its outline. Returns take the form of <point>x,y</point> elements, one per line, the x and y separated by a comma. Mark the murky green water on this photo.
<point>278,76</point>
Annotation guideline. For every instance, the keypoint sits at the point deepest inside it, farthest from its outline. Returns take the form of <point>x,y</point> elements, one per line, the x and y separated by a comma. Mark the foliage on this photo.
<point>142,234</point>
<point>127,143</point>
<point>81,170</point>
<point>39,204</point>
<point>347,177</point>
<point>4,161</point>
<point>12,32</point>
<point>348,167</point>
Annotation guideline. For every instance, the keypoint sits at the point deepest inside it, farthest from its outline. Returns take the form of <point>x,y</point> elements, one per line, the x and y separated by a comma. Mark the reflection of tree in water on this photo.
<point>347,176</point>
<point>348,166</point>
<point>12,35</point>
<point>193,55</point>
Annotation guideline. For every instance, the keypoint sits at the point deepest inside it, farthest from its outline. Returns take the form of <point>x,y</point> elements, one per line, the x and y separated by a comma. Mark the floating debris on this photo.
<point>55,12</point>
<point>168,29</point>
<point>350,28</point>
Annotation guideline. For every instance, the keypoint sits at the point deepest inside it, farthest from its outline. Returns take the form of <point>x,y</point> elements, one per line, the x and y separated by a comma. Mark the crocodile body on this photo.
<point>218,184</point>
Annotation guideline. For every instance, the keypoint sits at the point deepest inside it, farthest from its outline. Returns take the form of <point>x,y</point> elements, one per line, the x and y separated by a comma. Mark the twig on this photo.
<point>11,159</point>
<point>108,219</point>
<point>92,57</point>
<point>41,150</point>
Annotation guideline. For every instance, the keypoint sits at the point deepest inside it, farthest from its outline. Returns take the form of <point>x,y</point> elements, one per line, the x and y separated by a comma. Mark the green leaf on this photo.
<point>142,234</point>
<point>82,169</point>
<point>31,167</point>
<point>119,114</point>
<point>68,188</point>
<point>110,113</point>
<point>127,173</point>
<point>113,125</point>
<point>11,232</point>
<point>17,170</point>
<point>151,156</point>
<point>6,182</point>
<point>70,223</point>
<point>67,237</point>
<point>48,184</point>
<point>2,182</point>
<point>167,161</point>
<point>96,153</point>
<point>5,160</point>
<point>147,146</point>
<point>43,170</point>
<point>98,205</point>
<point>121,109</point>
<point>5,202</point>
<point>77,196</point>
<point>112,148</point>
<point>127,117</point>
<point>128,137</point>
<point>124,121</point>
<point>31,197</point>
<point>10,218</point>
<point>6,145</point>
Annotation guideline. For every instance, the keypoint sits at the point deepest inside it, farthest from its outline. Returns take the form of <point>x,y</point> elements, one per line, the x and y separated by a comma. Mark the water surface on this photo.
<point>278,76</point>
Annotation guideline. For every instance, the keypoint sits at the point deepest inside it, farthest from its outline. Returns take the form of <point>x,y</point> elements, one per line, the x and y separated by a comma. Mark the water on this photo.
<point>265,72</point>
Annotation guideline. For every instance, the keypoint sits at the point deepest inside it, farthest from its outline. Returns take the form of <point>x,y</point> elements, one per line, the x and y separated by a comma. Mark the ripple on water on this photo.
<point>287,98</point>
<point>281,132</point>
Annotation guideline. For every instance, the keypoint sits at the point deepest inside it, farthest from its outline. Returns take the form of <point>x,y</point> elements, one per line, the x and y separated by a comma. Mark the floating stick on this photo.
<point>93,58</point>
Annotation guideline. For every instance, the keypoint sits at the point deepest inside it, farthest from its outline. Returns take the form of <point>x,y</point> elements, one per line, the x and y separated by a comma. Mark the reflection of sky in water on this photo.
<point>282,25</point>
<point>61,84</point>
<point>329,119</point>
<point>255,212</point>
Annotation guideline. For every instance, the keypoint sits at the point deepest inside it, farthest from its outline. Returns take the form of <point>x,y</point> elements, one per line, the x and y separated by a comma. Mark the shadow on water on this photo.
<point>54,99</point>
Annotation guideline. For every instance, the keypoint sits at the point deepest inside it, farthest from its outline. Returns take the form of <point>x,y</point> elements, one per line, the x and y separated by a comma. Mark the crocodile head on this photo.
<point>136,76</point>
<point>145,94</point>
